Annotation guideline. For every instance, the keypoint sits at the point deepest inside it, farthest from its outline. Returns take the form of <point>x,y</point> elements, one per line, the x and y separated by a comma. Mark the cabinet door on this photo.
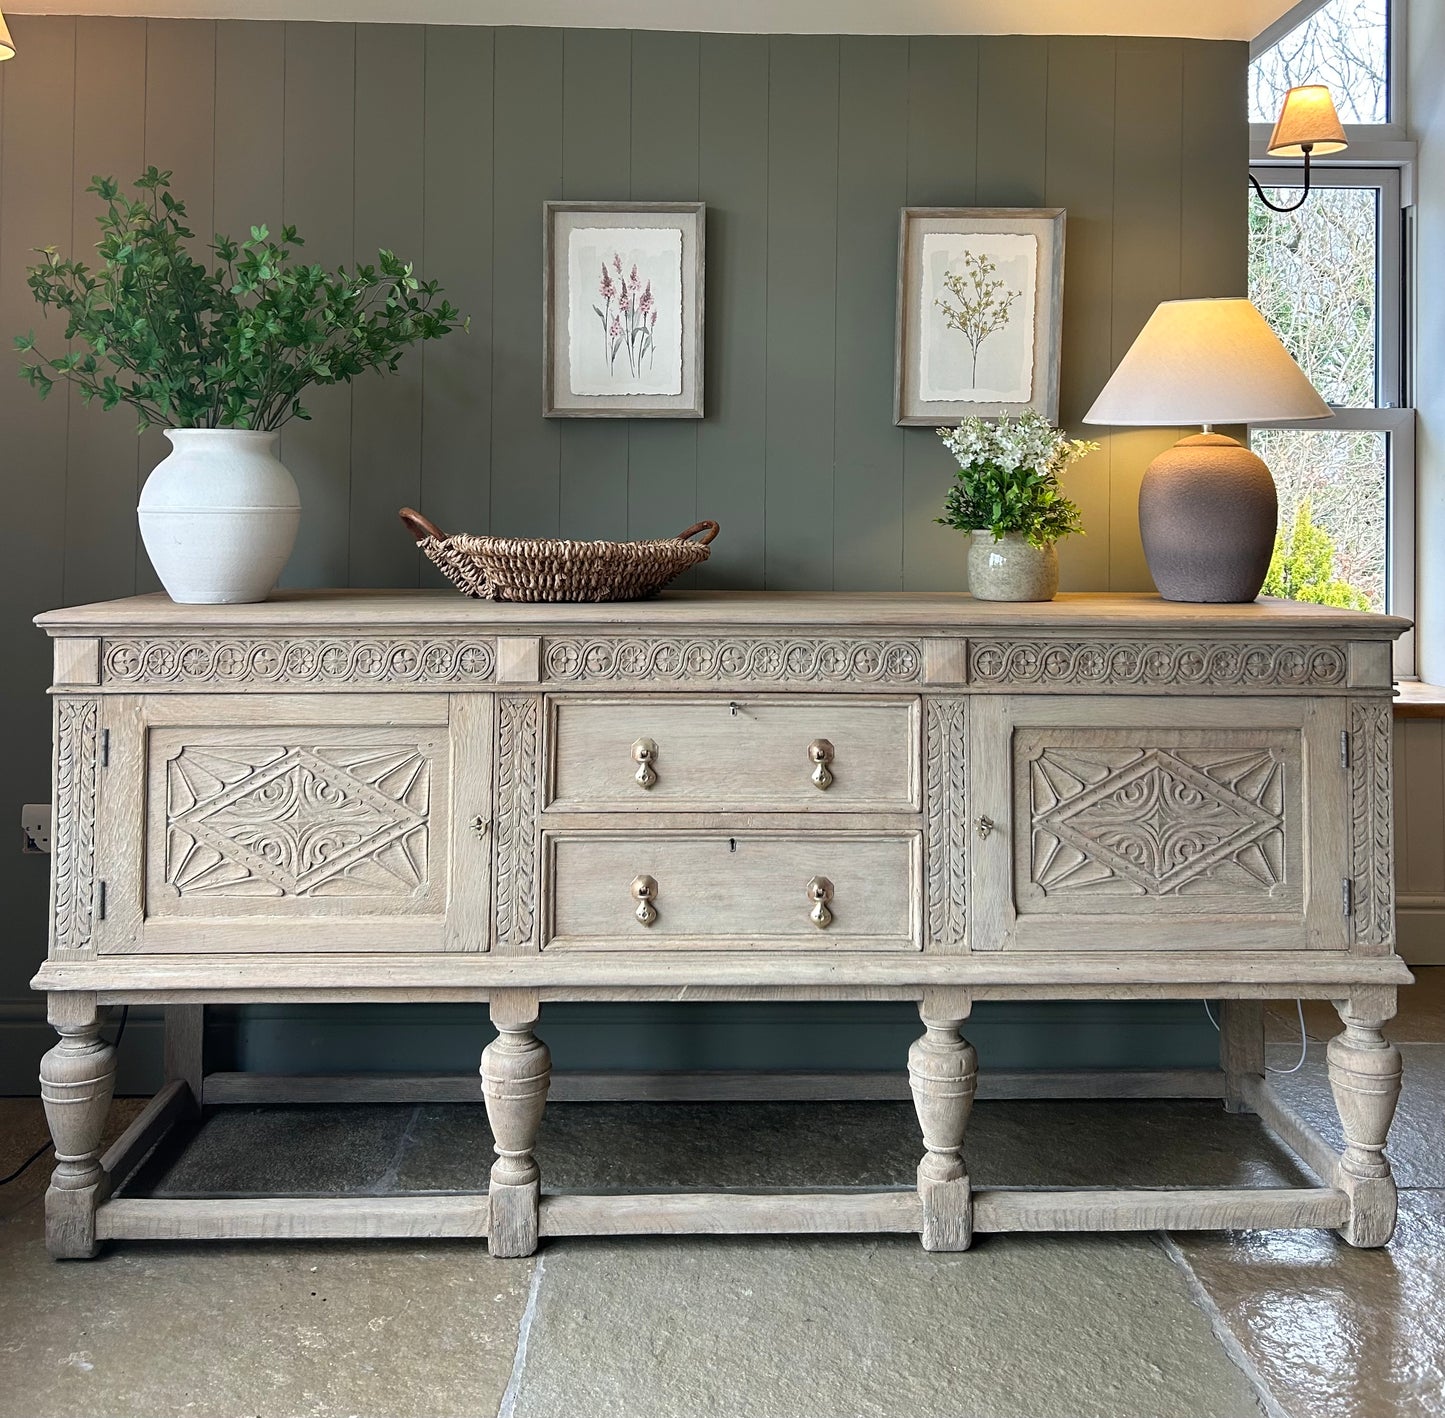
<point>1154,824</point>
<point>295,823</point>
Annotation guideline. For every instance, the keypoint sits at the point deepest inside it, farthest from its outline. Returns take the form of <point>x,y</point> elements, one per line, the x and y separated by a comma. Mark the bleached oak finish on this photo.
<point>408,796</point>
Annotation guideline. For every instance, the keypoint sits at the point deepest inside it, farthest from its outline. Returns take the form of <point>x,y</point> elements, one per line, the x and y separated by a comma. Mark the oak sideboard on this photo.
<point>407,796</point>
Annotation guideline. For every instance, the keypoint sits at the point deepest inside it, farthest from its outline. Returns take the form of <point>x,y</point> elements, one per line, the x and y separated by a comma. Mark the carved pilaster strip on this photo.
<point>74,845</point>
<point>947,765</point>
<point>1372,847</point>
<point>519,782</point>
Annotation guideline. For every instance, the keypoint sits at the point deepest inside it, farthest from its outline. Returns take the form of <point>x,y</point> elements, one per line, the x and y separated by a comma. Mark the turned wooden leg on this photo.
<point>943,1074</point>
<point>516,1069</point>
<point>77,1078</point>
<point>1365,1078</point>
<point>1241,1047</point>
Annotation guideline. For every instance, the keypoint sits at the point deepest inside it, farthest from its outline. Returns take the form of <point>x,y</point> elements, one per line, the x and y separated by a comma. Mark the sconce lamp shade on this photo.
<point>1307,122</point>
<point>1206,362</point>
<point>7,45</point>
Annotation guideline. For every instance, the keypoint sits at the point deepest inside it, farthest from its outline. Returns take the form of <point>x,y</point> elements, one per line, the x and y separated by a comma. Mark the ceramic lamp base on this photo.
<point>1208,513</point>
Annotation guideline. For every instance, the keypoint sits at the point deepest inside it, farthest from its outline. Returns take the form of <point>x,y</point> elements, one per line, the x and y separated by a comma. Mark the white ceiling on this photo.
<point>1195,19</point>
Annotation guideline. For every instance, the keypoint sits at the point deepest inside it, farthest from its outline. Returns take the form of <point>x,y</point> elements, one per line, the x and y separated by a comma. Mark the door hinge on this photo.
<point>100,901</point>
<point>1344,748</point>
<point>105,748</point>
<point>1347,896</point>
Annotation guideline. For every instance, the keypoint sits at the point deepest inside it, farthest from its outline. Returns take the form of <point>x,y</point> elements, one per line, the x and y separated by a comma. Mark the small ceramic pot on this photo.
<point>219,516</point>
<point>1011,568</point>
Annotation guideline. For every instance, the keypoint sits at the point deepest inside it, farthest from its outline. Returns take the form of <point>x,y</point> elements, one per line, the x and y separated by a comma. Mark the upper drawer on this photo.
<point>759,754</point>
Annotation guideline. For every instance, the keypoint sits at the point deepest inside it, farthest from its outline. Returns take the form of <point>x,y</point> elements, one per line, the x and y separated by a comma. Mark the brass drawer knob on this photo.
<point>820,892</point>
<point>644,892</point>
<point>820,755</point>
<point>644,755</point>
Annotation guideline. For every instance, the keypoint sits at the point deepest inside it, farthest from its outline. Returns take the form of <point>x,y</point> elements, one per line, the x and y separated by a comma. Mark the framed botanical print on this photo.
<point>623,309</point>
<point>980,304</point>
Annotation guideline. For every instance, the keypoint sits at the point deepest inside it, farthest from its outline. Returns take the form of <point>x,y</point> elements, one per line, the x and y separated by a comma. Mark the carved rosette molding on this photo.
<point>1168,664</point>
<point>1372,845</point>
<point>947,813</point>
<point>519,782</point>
<point>732,660</point>
<point>74,846</point>
<point>297,662</point>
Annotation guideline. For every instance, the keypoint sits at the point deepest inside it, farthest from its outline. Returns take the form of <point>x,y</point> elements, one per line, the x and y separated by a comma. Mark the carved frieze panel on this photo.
<point>76,745</point>
<point>847,662</point>
<point>1372,849</point>
<point>298,662</point>
<point>296,821</point>
<point>947,825</point>
<point>1155,821</point>
<point>1164,664</point>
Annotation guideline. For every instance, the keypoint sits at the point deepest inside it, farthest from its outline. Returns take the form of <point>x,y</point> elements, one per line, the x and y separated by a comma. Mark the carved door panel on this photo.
<point>1179,824</point>
<point>297,824</point>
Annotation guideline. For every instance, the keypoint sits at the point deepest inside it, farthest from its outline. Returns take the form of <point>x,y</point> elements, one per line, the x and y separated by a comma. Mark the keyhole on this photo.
<point>733,707</point>
<point>732,844</point>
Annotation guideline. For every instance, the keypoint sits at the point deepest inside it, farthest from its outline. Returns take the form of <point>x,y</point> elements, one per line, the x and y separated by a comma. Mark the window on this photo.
<point>1329,278</point>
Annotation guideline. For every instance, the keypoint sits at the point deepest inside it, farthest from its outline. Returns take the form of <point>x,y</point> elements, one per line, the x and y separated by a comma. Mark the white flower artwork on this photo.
<point>625,310</point>
<point>976,315</point>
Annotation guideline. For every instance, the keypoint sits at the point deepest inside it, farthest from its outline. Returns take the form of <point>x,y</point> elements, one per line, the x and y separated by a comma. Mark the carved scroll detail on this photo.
<point>74,845</point>
<point>518,786</point>
<point>947,825</point>
<point>297,821</point>
<point>1207,664</point>
<point>299,662</point>
<point>1372,846</point>
<point>733,660</point>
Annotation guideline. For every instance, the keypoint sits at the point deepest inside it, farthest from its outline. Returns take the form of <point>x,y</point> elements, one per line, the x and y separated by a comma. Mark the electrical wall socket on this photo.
<point>35,828</point>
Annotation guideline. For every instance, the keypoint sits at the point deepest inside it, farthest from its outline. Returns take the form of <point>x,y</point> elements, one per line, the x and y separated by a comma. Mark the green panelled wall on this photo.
<point>443,143</point>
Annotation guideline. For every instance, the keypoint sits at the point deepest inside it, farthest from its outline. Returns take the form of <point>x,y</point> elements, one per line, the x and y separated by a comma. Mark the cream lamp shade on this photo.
<point>1307,123</point>
<point>7,45</point>
<point>1206,362</point>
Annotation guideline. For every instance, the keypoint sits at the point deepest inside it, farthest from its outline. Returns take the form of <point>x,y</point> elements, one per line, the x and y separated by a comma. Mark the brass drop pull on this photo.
<point>644,892</point>
<point>820,755</point>
<point>480,824</point>
<point>644,755</point>
<point>985,826</point>
<point>820,892</point>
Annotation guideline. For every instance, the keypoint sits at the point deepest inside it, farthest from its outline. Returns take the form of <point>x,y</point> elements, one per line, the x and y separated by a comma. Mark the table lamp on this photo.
<point>1207,506</point>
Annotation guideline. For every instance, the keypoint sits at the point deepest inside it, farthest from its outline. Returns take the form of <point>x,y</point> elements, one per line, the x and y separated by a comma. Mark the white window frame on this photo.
<point>1390,415</point>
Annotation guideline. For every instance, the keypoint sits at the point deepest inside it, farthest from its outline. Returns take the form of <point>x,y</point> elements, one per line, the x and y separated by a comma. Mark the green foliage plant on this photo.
<point>1007,481</point>
<point>1302,566</point>
<point>236,345</point>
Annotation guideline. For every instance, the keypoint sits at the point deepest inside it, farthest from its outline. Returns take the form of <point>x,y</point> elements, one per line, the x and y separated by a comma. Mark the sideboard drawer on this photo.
<point>759,754</point>
<point>792,891</point>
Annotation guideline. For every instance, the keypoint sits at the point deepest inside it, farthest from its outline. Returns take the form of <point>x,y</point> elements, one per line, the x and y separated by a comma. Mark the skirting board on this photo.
<point>707,1086</point>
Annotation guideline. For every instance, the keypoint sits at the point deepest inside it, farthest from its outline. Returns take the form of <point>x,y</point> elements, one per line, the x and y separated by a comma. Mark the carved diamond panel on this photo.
<point>290,821</point>
<point>1157,821</point>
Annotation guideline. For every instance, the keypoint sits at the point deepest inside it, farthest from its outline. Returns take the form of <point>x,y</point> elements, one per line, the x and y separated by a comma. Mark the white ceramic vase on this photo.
<point>1011,568</point>
<point>219,515</point>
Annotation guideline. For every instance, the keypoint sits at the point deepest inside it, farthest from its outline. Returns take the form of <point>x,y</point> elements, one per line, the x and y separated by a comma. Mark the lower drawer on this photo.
<point>688,890</point>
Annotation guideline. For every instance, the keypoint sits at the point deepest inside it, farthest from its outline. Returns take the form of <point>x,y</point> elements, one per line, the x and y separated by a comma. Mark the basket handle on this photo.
<point>420,527</point>
<point>711,528</point>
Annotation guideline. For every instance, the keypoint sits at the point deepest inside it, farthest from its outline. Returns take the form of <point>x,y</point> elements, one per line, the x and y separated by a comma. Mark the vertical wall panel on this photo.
<point>250,127</point>
<point>103,453</point>
<point>1215,192</point>
<point>872,186</point>
<point>1079,177</point>
<point>662,458</point>
<point>318,198</point>
<point>942,166</point>
<point>733,172</point>
<point>457,398</point>
<point>801,333</point>
<point>528,170</point>
<point>596,166</point>
<point>386,412</point>
<point>1013,77</point>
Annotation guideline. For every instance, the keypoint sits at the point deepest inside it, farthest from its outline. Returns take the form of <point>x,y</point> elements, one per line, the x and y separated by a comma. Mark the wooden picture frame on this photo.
<point>623,312</point>
<point>979,313</point>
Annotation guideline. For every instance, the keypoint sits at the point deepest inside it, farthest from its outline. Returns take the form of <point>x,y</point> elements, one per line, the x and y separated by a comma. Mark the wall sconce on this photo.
<point>1307,124</point>
<point>7,45</point>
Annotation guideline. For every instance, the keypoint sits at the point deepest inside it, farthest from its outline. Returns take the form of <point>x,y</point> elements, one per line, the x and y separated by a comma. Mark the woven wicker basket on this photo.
<point>546,569</point>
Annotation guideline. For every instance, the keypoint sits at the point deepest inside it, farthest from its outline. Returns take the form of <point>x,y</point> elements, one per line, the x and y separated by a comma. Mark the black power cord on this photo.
<point>44,1147</point>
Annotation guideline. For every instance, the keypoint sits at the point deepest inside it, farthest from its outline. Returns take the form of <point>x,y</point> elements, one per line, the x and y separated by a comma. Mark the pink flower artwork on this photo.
<point>629,320</point>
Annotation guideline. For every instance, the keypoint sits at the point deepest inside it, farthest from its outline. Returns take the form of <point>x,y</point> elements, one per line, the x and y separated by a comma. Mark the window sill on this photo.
<point>1419,701</point>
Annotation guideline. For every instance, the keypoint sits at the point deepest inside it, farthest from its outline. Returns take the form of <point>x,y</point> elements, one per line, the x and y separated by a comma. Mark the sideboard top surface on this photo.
<point>955,613</point>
